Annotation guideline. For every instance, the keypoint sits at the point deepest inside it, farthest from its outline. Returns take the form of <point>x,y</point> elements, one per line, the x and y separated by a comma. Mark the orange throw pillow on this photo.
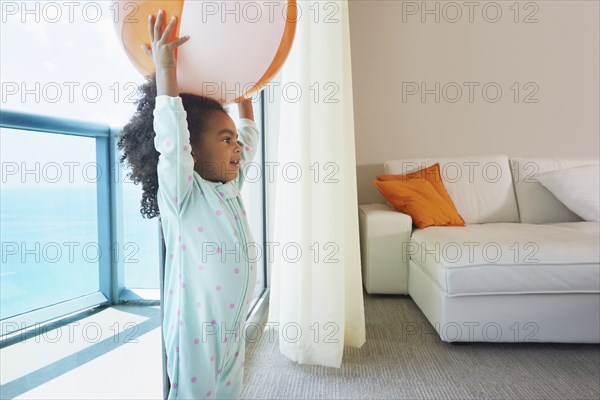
<point>421,195</point>
<point>431,174</point>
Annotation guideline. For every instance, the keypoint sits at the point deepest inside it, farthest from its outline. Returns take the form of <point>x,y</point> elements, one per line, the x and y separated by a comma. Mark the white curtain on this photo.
<point>316,301</point>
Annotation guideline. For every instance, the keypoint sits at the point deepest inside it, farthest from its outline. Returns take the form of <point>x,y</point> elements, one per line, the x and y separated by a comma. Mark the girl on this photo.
<point>193,184</point>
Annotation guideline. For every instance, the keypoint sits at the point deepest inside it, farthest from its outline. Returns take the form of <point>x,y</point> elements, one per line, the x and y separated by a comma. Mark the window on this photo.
<point>49,223</point>
<point>253,194</point>
<point>65,83</point>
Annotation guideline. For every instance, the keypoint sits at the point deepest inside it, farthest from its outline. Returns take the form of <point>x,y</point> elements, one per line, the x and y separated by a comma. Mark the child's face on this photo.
<point>216,152</point>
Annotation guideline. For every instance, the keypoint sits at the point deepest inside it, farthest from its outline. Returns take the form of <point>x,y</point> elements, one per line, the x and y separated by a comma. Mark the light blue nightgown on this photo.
<point>210,269</point>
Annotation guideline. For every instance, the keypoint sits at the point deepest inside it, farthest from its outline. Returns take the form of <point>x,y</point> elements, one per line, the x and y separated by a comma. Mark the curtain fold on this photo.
<point>316,300</point>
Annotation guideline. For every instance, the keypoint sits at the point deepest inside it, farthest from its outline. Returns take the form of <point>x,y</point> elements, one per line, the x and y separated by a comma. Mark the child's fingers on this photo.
<point>151,27</point>
<point>147,50</point>
<point>180,41</point>
<point>158,25</point>
<point>167,32</point>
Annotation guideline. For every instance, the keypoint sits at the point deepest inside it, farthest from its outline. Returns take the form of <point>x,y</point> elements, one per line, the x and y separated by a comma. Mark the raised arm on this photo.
<point>248,136</point>
<point>245,109</point>
<point>175,167</point>
<point>163,54</point>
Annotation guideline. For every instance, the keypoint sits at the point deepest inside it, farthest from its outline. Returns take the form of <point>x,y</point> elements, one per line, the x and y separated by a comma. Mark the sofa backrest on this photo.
<point>537,205</point>
<point>481,187</point>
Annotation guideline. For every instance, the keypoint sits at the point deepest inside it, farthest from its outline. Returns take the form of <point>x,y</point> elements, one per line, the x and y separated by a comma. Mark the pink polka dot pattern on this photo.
<point>174,386</point>
<point>213,206</point>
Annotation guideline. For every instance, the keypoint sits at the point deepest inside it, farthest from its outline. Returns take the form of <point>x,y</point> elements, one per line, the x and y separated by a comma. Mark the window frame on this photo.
<point>105,195</point>
<point>111,269</point>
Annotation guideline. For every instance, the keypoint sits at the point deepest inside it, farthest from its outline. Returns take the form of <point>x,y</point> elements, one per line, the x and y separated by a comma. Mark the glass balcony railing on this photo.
<point>56,206</point>
<point>72,236</point>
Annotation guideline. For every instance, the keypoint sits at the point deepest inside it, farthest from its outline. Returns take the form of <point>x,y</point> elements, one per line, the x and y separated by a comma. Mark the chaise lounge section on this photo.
<point>524,268</point>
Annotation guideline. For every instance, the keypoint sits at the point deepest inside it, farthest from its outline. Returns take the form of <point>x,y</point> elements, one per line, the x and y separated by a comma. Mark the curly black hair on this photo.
<point>136,139</point>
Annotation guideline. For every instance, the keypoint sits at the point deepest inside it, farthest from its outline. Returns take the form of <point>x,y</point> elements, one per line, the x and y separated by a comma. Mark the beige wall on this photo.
<point>559,55</point>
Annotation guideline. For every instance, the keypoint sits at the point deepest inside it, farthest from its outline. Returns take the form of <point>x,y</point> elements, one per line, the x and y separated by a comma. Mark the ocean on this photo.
<point>50,251</point>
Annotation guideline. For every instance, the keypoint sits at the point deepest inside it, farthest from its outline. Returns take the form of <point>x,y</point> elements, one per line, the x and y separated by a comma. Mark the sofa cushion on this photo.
<point>431,174</point>
<point>507,258</point>
<point>593,228</point>
<point>421,195</point>
<point>419,199</point>
<point>537,205</point>
<point>480,187</point>
<point>577,188</point>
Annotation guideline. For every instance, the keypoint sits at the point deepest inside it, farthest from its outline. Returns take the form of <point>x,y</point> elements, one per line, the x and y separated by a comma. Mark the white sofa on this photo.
<point>523,269</point>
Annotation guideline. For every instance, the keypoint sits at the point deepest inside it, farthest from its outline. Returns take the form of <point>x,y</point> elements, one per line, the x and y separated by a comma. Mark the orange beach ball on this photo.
<point>235,47</point>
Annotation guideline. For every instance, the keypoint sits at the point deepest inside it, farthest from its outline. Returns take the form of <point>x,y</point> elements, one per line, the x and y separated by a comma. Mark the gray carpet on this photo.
<point>394,365</point>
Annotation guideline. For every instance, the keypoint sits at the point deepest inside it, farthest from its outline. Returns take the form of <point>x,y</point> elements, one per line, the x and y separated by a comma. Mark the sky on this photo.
<point>64,59</point>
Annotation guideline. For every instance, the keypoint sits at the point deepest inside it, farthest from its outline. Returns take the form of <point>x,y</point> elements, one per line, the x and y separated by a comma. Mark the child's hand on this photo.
<point>163,54</point>
<point>162,51</point>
